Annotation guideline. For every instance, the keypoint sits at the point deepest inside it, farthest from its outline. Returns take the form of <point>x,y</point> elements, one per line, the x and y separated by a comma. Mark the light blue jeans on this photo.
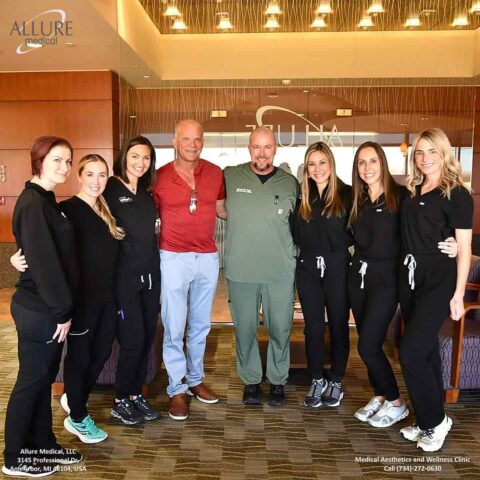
<point>189,281</point>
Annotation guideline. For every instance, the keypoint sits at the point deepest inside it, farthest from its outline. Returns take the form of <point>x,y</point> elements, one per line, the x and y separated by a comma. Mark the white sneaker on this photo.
<point>388,415</point>
<point>412,433</point>
<point>433,438</point>
<point>64,403</point>
<point>369,410</point>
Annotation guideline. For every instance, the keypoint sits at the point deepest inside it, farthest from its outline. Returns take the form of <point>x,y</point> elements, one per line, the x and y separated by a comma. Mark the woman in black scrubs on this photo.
<point>372,280</point>
<point>41,308</point>
<point>320,231</point>
<point>432,286</point>
<point>138,275</point>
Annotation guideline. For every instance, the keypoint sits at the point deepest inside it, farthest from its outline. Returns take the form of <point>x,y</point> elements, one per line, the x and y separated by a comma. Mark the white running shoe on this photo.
<point>388,415</point>
<point>412,433</point>
<point>64,403</point>
<point>369,410</point>
<point>433,438</point>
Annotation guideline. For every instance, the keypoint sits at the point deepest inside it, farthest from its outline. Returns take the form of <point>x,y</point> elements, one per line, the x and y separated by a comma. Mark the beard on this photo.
<point>262,167</point>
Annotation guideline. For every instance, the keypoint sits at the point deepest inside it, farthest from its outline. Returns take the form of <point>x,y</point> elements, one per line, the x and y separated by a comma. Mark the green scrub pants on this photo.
<point>277,304</point>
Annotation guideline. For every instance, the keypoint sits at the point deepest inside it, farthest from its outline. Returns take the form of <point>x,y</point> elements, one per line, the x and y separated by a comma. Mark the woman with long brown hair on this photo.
<point>320,232</point>
<point>372,280</point>
<point>432,286</point>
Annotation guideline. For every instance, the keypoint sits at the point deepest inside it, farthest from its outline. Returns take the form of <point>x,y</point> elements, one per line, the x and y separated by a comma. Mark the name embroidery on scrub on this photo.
<point>243,190</point>
<point>125,199</point>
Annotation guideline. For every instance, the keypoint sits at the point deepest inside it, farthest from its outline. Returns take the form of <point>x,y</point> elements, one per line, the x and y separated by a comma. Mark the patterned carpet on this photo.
<point>229,441</point>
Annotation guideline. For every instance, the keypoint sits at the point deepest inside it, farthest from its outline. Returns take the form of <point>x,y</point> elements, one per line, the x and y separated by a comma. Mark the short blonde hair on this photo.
<point>451,170</point>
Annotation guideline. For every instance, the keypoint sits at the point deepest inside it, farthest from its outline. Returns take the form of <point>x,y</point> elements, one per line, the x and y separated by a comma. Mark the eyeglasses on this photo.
<point>192,208</point>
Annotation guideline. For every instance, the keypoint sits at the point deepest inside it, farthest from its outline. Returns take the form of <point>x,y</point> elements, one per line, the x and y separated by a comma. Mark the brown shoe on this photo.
<point>203,393</point>
<point>178,407</point>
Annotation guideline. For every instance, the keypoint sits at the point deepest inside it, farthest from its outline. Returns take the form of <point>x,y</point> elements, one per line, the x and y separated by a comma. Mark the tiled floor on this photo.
<point>230,441</point>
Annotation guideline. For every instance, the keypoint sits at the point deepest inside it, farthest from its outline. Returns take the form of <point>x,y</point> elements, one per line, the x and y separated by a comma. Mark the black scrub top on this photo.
<point>431,218</point>
<point>136,214</point>
<point>97,251</point>
<point>376,231</point>
<point>323,234</point>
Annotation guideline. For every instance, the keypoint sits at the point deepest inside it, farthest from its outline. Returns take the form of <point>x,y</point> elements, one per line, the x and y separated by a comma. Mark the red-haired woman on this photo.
<point>41,308</point>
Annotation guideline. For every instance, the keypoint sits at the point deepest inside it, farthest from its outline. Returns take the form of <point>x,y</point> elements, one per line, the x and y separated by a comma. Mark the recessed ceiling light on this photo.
<point>224,23</point>
<point>273,8</point>
<point>324,7</point>
<point>366,22</point>
<point>376,7</point>
<point>179,24</point>
<point>413,22</point>
<point>171,10</point>
<point>318,22</point>
<point>461,21</point>
<point>272,22</point>
<point>475,7</point>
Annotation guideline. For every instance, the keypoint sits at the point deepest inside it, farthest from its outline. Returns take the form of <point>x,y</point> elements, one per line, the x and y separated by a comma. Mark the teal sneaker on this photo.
<point>86,430</point>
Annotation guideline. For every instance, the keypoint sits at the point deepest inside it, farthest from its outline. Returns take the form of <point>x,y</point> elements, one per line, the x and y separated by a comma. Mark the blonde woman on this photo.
<point>94,320</point>
<point>431,285</point>
<point>321,233</point>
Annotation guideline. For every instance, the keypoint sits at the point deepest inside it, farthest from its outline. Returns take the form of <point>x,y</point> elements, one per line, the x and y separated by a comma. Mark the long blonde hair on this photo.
<point>101,207</point>
<point>360,188</point>
<point>333,203</point>
<point>451,170</point>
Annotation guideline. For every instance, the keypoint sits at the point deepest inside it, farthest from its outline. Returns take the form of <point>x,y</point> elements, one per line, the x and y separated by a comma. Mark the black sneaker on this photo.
<point>276,397</point>
<point>333,394</point>
<point>29,470</point>
<point>64,456</point>
<point>144,407</point>
<point>252,395</point>
<point>126,412</point>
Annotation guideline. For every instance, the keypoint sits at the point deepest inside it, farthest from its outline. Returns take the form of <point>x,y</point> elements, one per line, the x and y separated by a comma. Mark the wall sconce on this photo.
<point>3,173</point>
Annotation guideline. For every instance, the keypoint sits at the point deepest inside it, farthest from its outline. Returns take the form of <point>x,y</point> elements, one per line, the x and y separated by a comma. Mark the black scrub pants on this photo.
<point>373,307</point>
<point>88,349</point>
<point>424,309</point>
<point>315,294</point>
<point>28,422</point>
<point>136,328</point>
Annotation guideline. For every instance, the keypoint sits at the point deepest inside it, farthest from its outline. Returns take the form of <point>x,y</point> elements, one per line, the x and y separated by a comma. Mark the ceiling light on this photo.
<point>318,22</point>
<point>365,22</point>
<point>224,23</point>
<point>273,8</point>
<point>171,10</point>
<point>272,95</point>
<point>272,22</point>
<point>413,22</point>
<point>179,24</point>
<point>461,21</point>
<point>376,7</point>
<point>324,7</point>
<point>475,7</point>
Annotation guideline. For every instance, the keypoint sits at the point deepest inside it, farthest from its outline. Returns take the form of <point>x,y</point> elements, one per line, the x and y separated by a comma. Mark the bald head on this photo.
<point>262,147</point>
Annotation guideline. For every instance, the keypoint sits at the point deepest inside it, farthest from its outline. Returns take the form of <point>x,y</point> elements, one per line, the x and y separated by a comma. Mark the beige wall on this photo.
<point>477,52</point>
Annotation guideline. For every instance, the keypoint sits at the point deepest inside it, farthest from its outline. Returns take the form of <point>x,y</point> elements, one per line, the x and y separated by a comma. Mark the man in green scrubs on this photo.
<point>260,264</point>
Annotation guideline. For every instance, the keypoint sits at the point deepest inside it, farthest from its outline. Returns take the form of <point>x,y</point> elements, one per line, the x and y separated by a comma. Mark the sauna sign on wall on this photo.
<point>290,136</point>
<point>41,30</point>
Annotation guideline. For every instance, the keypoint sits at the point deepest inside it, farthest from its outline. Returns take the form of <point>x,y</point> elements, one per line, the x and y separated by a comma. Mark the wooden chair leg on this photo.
<point>451,395</point>
<point>58,389</point>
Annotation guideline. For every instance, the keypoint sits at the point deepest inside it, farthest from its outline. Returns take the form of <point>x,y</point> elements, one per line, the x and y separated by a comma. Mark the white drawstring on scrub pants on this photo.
<point>321,265</point>
<point>412,265</point>
<point>363,272</point>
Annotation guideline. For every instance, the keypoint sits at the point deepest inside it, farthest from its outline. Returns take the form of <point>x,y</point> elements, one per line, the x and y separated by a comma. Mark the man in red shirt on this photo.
<point>189,193</point>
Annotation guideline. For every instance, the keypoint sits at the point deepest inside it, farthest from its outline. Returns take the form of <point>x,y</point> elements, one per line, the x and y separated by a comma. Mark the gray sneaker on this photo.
<point>333,394</point>
<point>313,398</point>
<point>369,410</point>
<point>412,433</point>
<point>388,415</point>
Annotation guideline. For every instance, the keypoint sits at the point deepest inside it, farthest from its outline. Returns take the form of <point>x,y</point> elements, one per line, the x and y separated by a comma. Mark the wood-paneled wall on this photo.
<point>82,107</point>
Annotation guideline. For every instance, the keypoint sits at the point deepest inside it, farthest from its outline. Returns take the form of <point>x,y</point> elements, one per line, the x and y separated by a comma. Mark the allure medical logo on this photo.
<point>42,30</point>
